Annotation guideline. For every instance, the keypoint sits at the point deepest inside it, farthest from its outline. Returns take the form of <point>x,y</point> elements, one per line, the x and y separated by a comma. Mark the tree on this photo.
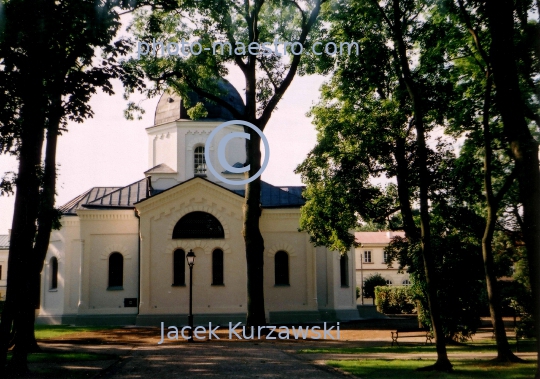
<point>516,113</point>
<point>371,282</point>
<point>406,113</point>
<point>237,25</point>
<point>48,74</point>
<point>477,97</point>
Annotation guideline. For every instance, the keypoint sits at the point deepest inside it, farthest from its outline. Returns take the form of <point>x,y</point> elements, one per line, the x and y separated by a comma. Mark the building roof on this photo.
<point>108,197</point>
<point>377,237</point>
<point>161,168</point>
<point>4,241</point>
<point>126,197</point>
<point>279,197</point>
<point>171,106</point>
<point>92,194</point>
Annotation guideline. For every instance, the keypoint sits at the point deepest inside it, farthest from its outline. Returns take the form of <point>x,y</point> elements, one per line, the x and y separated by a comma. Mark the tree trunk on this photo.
<point>523,146</point>
<point>16,314</point>
<point>253,237</point>
<point>442,363</point>
<point>504,354</point>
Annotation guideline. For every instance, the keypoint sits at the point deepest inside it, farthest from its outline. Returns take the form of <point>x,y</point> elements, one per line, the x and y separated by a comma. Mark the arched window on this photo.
<point>179,268</point>
<point>198,225</point>
<point>344,270</point>
<point>199,161</point>
<point>116,271</point>
<point>388,282</point>
<point>406,282</point>
<point>281,266</point>
<point>54,273</point>
<point>217,267</point>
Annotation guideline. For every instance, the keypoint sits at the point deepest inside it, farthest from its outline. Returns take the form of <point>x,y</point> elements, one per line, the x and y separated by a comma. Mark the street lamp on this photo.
<point>190,257</point>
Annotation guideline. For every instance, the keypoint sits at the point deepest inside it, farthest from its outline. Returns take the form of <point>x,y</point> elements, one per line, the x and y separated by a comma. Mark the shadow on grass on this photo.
<point>398,369</point>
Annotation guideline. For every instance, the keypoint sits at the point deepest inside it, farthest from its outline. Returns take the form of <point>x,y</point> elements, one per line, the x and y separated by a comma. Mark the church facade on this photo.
<point>120,256</point>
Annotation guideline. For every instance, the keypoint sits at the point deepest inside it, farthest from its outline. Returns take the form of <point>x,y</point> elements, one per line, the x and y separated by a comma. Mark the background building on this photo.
<point>371,259</point>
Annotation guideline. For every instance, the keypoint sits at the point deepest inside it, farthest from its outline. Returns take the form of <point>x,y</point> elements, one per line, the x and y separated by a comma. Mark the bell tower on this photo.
<point>176,144</point>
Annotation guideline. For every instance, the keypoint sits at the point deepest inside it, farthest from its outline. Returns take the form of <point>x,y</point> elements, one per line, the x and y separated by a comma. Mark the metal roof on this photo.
<point>108,197</point>
<point>123,197</point>
<point>92,194</point>
<point>4,241</point>
<point>126,197</point>
<point>279,197</point>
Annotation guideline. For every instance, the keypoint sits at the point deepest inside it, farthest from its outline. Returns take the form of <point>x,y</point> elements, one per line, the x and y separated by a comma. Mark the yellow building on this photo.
<point>120,255</point>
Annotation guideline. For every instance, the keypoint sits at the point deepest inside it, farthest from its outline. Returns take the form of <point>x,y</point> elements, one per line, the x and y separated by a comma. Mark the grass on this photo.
<point>473,347</point>
<point>55,331</point>
<point>398,369</point>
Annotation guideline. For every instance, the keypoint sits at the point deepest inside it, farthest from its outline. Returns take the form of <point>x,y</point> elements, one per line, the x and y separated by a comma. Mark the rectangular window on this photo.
<point>367,256</point>
<point>0,272</point>
<point>385,257</point>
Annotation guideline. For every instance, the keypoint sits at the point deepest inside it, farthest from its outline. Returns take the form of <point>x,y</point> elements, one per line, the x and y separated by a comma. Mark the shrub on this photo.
<point>371,282</point>
<point>394,300</point>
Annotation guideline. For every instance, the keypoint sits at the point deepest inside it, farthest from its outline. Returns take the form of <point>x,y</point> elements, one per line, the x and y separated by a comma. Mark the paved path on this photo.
<point>142,357</point>
<point>217,360</point>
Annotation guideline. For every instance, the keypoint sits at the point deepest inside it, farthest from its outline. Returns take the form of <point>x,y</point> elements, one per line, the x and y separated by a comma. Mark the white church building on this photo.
<point>120,256</point>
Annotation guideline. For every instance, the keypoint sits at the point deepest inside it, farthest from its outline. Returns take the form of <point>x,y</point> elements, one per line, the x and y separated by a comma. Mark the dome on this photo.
<point>171,107</point>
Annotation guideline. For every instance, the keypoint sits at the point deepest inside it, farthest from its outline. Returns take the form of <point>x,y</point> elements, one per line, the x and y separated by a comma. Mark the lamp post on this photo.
<point>190,257</point>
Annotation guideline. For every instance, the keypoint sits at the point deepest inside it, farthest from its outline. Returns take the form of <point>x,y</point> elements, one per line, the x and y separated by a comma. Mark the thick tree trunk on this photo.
<point>523,146</point>
<point>504,354</point>
<point>253,238</point>
<point>17,311</point>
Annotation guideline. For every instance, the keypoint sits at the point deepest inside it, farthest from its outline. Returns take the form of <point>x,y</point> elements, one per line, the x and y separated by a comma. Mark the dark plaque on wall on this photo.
<point>130,302</point>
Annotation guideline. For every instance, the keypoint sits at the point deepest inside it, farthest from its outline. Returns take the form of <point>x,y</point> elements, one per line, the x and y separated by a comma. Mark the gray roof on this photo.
<point>92,194</point>
<point>126,197</point>
<point>4,242</point>
<point>171,106</point>
<point>279,197</point>
<point>271,196</point>
<point>108,197</point>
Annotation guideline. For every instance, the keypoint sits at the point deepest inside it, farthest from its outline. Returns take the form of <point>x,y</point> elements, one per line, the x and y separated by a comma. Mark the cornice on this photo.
<point>184,190</point>
<point>95,215</point>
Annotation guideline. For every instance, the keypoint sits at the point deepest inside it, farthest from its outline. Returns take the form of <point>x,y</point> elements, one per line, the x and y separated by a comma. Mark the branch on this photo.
<point>381,11</point>
<point>506,185</point>
<point>301,11</point>
<point>473,32</point>
<point>278,93</point>
<point>268,74</point>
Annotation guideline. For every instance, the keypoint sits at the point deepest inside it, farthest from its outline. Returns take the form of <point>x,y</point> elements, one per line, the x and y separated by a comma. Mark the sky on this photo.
<point>108,150</point>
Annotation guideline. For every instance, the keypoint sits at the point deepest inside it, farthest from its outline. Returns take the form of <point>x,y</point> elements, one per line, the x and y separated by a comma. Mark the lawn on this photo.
<point>55,331</point>
<point>398,369</point>
<point>473,347</point>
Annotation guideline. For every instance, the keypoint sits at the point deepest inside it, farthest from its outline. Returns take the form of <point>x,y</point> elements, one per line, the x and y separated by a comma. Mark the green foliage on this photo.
<point>460,284</point>
<point>197,111</point>
<point>357,292</point>
<point>395,300</point>
<point>371,282</point>
<point>408,368</point>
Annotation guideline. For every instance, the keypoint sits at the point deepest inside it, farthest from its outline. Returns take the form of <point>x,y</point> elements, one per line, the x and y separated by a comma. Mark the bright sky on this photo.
<point>108,150</point>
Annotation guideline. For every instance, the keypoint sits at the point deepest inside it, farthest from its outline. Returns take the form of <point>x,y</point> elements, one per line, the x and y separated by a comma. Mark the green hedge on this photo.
<point>395,300</point>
